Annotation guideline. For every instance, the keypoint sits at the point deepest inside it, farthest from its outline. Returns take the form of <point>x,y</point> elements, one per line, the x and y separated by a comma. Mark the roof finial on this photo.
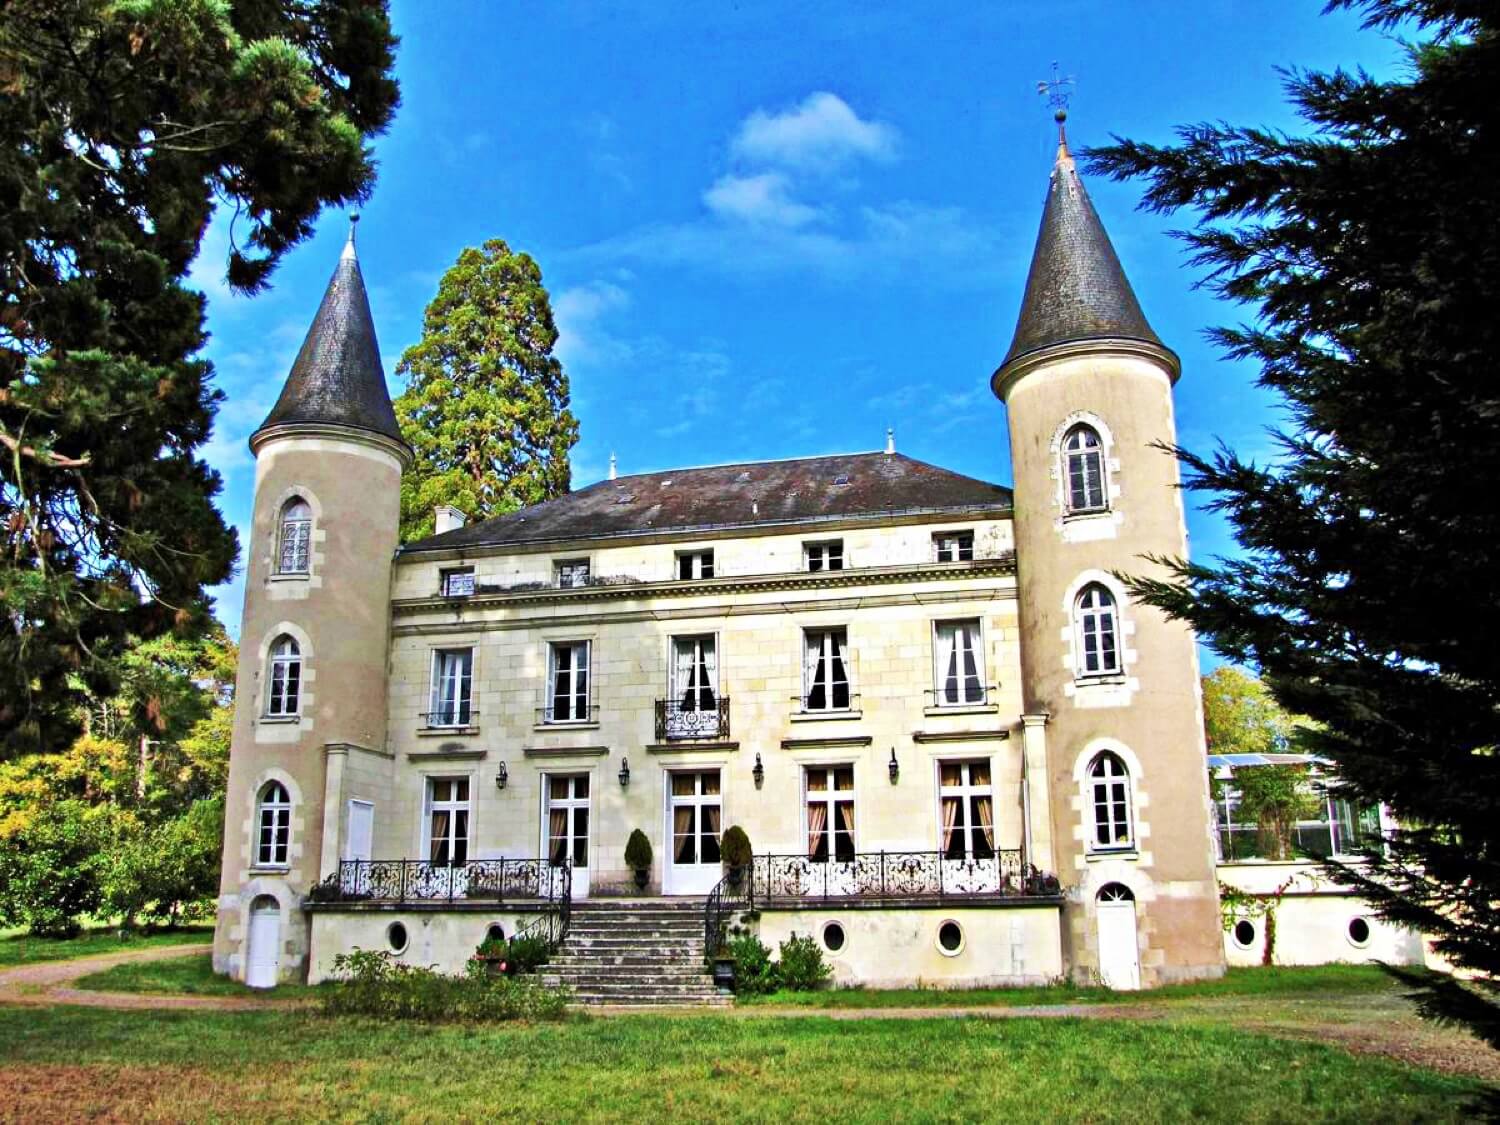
<point>890,439</point>
<point>613,473</point>
<point>349,245</point>
<point>1057,94</point>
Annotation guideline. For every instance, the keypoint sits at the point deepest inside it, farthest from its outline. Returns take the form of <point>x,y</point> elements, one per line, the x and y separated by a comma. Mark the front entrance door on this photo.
<point>567,825</point>
<point>1119,953</point>
<point>262,958</point>
<point>694,815</point>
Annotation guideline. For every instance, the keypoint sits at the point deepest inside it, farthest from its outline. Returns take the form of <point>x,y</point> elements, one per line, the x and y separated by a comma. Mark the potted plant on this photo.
<point>736,853</point>
<point>638,857</point>
<point>492,954</point>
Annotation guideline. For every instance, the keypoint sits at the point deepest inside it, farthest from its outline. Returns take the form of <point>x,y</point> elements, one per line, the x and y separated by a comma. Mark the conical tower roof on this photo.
<point>1076,290</point>
<point>337,378</point>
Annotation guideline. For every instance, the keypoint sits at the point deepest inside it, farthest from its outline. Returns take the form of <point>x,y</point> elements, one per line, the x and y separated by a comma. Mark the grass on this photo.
<point>290,1063</point>
<point>1256,982</point>
<point>192,975</point>
<point>18,948</point>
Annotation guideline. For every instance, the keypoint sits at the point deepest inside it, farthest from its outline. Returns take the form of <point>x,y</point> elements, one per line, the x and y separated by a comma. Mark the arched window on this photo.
<point>1083,463</point>
<point>1096,627</point>
<point>285,680</point>
<point>1109,797</point>
<point>296,531</point>
<point>273,826</point>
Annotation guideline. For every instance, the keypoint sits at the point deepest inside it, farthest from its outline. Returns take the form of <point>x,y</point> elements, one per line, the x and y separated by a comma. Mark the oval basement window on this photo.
<point>950,938</point>
<point>396,937</point>
<point>1244,933</point>
<point>1359,932</point>
<point>833,937</point>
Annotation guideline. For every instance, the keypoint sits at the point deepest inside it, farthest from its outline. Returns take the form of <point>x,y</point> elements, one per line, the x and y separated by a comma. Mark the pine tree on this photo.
<point>122,124</point>
<point>486,405</point>
<point>1368,250</point>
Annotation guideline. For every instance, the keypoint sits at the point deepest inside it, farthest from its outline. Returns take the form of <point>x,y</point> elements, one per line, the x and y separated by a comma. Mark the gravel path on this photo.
<point>49,982</point>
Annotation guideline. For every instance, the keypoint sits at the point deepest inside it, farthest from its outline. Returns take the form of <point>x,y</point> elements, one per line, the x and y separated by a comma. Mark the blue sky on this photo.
<point>772,230</point>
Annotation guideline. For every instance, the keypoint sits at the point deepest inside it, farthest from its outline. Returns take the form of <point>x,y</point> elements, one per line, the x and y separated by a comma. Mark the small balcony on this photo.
<point>894,877</point>
<point>678,723</point>
<point>411,881</point>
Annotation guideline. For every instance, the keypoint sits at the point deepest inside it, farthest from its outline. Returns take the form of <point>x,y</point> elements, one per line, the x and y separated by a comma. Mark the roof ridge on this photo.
<point>762,461</point>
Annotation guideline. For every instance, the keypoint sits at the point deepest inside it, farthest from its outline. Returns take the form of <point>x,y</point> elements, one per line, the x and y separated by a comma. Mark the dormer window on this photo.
<point>827,555</point>
<point>695,564</point>
<point>293,537</point>
<point>953,546</point>
<point>571,573</point>
<point>1083,467</point>
<point>457,582</point>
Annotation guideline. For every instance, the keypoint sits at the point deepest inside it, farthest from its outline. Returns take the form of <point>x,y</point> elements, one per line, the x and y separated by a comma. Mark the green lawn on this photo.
<point>297,1064</point>
<point>17,948</point>
<point>192,975</point>
<point>1257,982</point>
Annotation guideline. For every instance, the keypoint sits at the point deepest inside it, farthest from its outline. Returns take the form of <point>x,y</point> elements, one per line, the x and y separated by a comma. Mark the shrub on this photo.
<point>527,952</point>
<point>754,971</point>
<point>52,865</point>
<point>800,966</point>
<point>494,947</point>
<point>638,851</point>
<point>735,847</point>
<point>373,983</point>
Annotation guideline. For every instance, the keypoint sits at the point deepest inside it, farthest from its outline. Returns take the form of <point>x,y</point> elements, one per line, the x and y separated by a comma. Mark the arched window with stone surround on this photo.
<point>1083,469</point>
<point>284,683</point>
<point>294,536</point>
<point>1096,629</point>
<point>1109,803</point>
<point>273,826</point>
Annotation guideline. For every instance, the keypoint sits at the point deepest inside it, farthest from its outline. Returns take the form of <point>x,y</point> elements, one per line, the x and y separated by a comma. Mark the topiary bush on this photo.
<point>638,851</point>
<point>373,983</point>
<point>800,965</point>
<point>735,847</point>
<point>754,971</point>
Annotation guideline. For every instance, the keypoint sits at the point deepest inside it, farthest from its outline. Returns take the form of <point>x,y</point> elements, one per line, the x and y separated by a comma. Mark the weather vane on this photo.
<point>1057,93</point>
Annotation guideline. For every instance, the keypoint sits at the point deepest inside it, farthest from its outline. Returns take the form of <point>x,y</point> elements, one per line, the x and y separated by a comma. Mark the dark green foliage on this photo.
<point>527,952</point>
<point>486,404</point>
<point>754,971</point>
<point>373,983</point>
<point>50,871</point>
<point>800,966</point>
<point>638,851</point>
<point>123,123</point>
<point>735,847</point>
<point>1368,251</point>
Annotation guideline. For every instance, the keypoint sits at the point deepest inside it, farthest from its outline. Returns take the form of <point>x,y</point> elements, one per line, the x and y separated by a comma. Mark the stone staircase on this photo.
<point>635,951</point>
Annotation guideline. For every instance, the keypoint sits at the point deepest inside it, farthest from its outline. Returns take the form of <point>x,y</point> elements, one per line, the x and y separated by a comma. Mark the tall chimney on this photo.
<point>446,518</point>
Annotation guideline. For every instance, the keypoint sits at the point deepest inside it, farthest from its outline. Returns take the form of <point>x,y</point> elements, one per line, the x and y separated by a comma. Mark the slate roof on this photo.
<point>750,494</point>
<point>1076,289</point>
<point>337,377</point>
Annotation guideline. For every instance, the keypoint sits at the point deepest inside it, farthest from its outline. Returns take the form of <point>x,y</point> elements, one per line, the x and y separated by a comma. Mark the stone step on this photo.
<point>628,925</point>
<point>626,960</point>
<point>631,944</point>
<point>586,975</point>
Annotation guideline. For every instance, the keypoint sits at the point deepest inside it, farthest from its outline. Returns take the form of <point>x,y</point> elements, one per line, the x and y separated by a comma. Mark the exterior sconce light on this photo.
<point>759,773</point>
<point>895,766</point>
<point>624,773</point>
<point>502,775</point>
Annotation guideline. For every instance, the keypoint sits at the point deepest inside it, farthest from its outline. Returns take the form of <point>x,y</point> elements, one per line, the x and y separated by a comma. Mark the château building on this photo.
<point>962,753</point>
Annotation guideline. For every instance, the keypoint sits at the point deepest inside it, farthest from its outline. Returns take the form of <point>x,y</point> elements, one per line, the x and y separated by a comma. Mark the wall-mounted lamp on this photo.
<point>759,773</point>
<point>624,772</point>
<point>895,766</point>
<point>502,775</point>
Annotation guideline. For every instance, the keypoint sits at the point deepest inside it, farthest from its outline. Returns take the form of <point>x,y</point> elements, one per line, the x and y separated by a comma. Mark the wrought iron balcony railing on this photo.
<point>417,880</point>
<point>674,721</point>
<point>896,875</point>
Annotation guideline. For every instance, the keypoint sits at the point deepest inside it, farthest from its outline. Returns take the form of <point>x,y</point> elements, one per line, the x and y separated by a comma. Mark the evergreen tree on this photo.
<point>1369,252</point>
<point>122,124</point>
<point>486,404</point>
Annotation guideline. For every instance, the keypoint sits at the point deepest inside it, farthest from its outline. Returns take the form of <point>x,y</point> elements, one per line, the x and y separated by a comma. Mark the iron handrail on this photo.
<point>675,722</point>
<point>733,893</point>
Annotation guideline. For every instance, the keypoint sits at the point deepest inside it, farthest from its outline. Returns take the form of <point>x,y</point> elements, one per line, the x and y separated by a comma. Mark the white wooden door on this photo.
<point>1119,953</point>
<point>694,825</point>
<point>361,839</point>
<point>263,958</point>
<point>565,824</point>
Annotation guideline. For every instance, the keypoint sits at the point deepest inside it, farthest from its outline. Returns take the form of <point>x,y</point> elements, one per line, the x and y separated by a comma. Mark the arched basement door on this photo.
<point>263,957</point>
<point>1119,953</point>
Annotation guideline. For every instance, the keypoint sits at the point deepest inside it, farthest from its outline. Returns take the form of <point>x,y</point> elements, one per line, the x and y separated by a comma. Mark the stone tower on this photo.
<point>310,703</point>
<point>1111,690</point>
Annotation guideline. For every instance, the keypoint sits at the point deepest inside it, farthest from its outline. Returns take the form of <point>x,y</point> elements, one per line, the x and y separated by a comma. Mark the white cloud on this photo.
<point>823,132</point>
<point>761,199</point>
<point>578,312</point>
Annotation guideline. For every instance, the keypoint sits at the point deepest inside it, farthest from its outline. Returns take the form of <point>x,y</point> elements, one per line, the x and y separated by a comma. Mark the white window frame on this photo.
<point>704,664</point>
<point>1083,454</point>
<point>965,792</point>
<point>699,564</point>
<point>823,554</point>
<point>284,678</point>
<point>572,574</point>
<point>456,581</point>
<point>1110,797</point>
<point>831,798</point>
<point>814,665</point>
<point>431,806</point>
<point>294,537</point>
<point>458,711</point>
<point>958,546</point>
<point>579,706</point>
<point>972,630</point>
<point>570,806</point>
<point>273,819</point>
<point>1100,621</point>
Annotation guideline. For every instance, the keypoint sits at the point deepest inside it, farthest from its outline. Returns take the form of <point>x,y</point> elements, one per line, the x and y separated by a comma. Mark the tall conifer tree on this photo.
<point>1368,250</point>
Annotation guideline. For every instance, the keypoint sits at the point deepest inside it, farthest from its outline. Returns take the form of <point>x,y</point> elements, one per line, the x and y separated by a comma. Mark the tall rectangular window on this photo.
<point>828,555</point>
<point>966,803</point>
<point>825,670</point>
<point>572,573</point>
<point>695,673</point>
<point>568,682</point>
<point>953,546</point>
<point>695,564</point>
<point>830,813</point>
<point>452,688</point>
<point>447,821</point>
<point>958,663</point>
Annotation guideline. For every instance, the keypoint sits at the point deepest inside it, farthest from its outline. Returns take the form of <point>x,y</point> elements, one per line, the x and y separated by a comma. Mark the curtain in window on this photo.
<point>950,820</point>
<point>984,807</point>
<point>682,832</point>
<point>686,676</point>
<point>844,837</point>
<point>439,852</point>
<point>817,823</point>
<point>946,654</point>
<point>812,664</point>
<point>709,688</point>
<point>709,825</point>
<point>296,530</point>
<point>838,674</point>
<point>557,828</point>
